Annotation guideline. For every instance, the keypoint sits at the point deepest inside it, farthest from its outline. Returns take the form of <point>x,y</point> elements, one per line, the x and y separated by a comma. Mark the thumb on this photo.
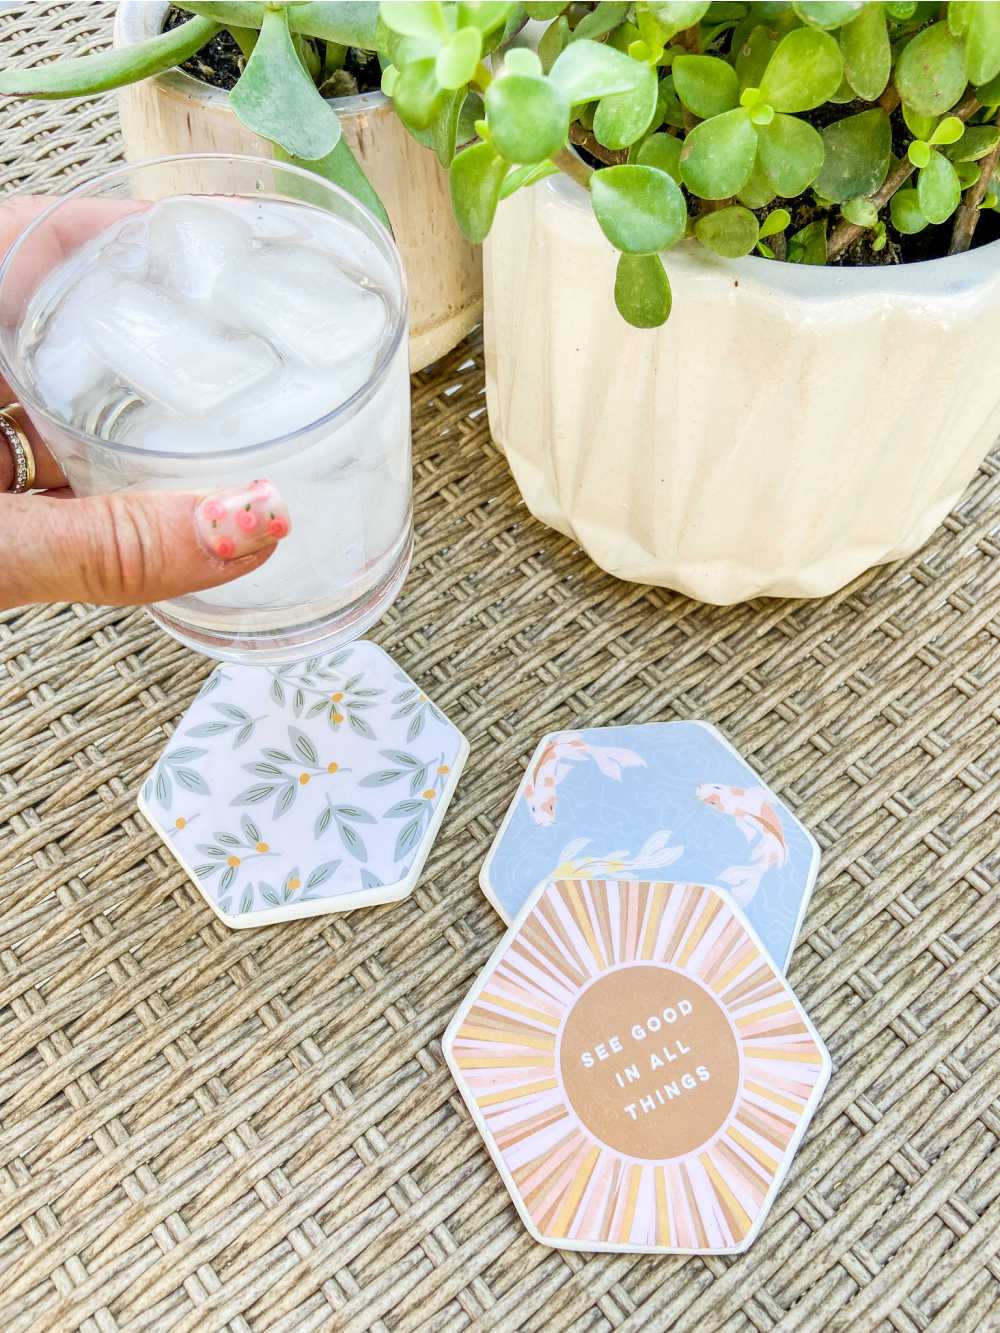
<point>134,547</point>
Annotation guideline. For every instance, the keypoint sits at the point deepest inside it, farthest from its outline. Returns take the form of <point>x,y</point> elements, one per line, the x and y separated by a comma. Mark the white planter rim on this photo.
<point>922,277</point>
<point>135,20</point>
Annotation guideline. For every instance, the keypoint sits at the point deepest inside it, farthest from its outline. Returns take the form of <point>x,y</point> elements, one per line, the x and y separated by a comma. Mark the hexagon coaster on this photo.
<point>638,1067</point>
<point>297,790</point>
<point>609,802</point>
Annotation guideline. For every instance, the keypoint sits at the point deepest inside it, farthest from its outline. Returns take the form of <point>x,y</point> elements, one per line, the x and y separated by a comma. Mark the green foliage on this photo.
<point>856,153</point>
<point>277,99</point>
<point>642,290</point>
<point>639,209</point>
<point>731,231</point>
<point>695,118</point>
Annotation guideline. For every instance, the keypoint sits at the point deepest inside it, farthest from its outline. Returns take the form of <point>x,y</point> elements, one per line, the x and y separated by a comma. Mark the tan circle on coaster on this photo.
<point>649,1062</point>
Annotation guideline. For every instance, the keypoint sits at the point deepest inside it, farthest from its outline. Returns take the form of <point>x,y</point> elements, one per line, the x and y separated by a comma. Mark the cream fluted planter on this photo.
<point>174,113</point>
<point>787,428</point>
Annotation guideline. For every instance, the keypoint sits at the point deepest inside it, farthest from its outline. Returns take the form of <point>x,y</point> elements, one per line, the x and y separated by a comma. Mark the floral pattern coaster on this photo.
<point>619,802</point>
<point>297,790</point>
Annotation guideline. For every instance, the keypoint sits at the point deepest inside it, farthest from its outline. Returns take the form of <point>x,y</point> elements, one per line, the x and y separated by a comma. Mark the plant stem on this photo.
<point>566,160</point>
<point>845,232</point>
<point>967,214</point>
<point>584,139</point>
<point>482,78</point>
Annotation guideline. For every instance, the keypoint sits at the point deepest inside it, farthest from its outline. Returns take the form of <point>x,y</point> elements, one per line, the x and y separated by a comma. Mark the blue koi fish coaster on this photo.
<point>627,802</point>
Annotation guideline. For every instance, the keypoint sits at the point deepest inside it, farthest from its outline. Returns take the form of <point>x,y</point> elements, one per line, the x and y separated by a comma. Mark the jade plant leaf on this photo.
<point>602,19</point>
<point>861,211</point>
<point>757,190</point>
<point>642,290</point>
<point>621,118</point>
<point>938,190</point>
<point>528,117</point>
<point>975,143</point>
<point>718,155</point>
<point>791,153</point>
<point>418,18</point>
<point>930,72</point>
<point>544,9</point>
<point>904,209</point>
<point>417,95</point>
<point>456,62</point>
<point>856,158</point>
<point>475,177</point>
<point>982,42</point>
<point>486,15</point>
<point>864,43</point>
<point>586,71</point>
<point>663,151</point>
<point>753,54</point>
<point>731,231</point>
<point>804,71</point>
<point>277,99</point>
<point>110,69</point>
<point>674,16</point>
<point>706,85</point>
<point>639,209</point>
<point>827,13</point>
<point>808,246</point>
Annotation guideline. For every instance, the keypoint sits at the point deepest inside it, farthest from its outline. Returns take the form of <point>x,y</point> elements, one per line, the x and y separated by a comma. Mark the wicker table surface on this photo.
<point>203,1129</point>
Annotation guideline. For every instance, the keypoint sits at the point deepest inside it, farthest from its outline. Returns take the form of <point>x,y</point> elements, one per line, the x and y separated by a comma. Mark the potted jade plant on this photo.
<point>298,80</point>
<point>793,207</point>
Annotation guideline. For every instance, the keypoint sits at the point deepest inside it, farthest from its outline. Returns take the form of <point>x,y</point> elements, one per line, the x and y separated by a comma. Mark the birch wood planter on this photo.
<point>787,428</point>
<point>174,113</point>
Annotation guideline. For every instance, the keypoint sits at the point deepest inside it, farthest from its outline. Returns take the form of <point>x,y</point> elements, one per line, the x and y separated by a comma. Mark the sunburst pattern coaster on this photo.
<point>296,790</point>
<point>638,1067</point>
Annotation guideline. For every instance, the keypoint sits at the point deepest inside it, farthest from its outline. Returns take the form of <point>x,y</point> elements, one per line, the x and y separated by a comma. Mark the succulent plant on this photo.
<point>689,118</point>
<point>789,129</point>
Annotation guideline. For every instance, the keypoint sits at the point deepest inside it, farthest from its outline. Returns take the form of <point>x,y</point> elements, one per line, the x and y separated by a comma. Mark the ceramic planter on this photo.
<point>174,113</point>
<point>786,429</point>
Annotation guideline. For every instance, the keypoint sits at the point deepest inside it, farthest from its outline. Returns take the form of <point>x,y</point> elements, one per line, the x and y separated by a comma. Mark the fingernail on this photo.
<point>242,519</point>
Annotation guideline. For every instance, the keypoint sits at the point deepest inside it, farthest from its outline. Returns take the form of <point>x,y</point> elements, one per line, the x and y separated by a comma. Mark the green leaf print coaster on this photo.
<point>297,790</point>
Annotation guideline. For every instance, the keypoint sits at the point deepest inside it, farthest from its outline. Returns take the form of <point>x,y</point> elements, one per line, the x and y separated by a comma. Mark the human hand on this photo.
<point>124,548</point>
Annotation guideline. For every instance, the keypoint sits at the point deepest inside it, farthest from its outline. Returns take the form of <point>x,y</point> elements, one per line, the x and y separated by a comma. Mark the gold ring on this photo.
<point>21,451</point>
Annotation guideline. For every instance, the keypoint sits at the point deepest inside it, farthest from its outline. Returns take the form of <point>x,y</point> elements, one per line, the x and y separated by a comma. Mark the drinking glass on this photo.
<point>345,474</point>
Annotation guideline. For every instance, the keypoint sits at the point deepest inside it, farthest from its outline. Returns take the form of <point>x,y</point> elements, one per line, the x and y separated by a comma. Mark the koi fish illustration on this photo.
<point>556,760</point>
<point>760,824</point>
<point>654,853</point>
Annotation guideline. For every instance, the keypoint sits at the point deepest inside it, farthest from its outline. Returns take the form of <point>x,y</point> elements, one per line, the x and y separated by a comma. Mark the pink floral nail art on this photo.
<point>238,521</point>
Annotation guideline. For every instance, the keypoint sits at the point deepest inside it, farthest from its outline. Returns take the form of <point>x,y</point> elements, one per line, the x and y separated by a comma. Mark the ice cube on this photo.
<point>169,352</point>
<point>193,241</point>
<point>65,366</point>
<point>308,306</point>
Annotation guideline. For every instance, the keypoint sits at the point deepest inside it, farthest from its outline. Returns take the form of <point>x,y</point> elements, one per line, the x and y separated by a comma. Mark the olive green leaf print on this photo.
<point>342,696</point>
<point>418,811</point>
<point>344,817</point>
<point>229,852</point>
<point>405,765</point>
<point>233,719</point>
<point>217,678</point>
<point>284,773</point>
<point>416,706</point>
<point>175,767</point>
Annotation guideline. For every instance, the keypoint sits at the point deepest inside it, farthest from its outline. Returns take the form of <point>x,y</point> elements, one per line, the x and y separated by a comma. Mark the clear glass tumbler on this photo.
<point>344,471</point>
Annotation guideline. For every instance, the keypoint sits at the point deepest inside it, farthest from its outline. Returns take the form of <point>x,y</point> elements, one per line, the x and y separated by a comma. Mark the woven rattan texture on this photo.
<point>202,1129</point>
